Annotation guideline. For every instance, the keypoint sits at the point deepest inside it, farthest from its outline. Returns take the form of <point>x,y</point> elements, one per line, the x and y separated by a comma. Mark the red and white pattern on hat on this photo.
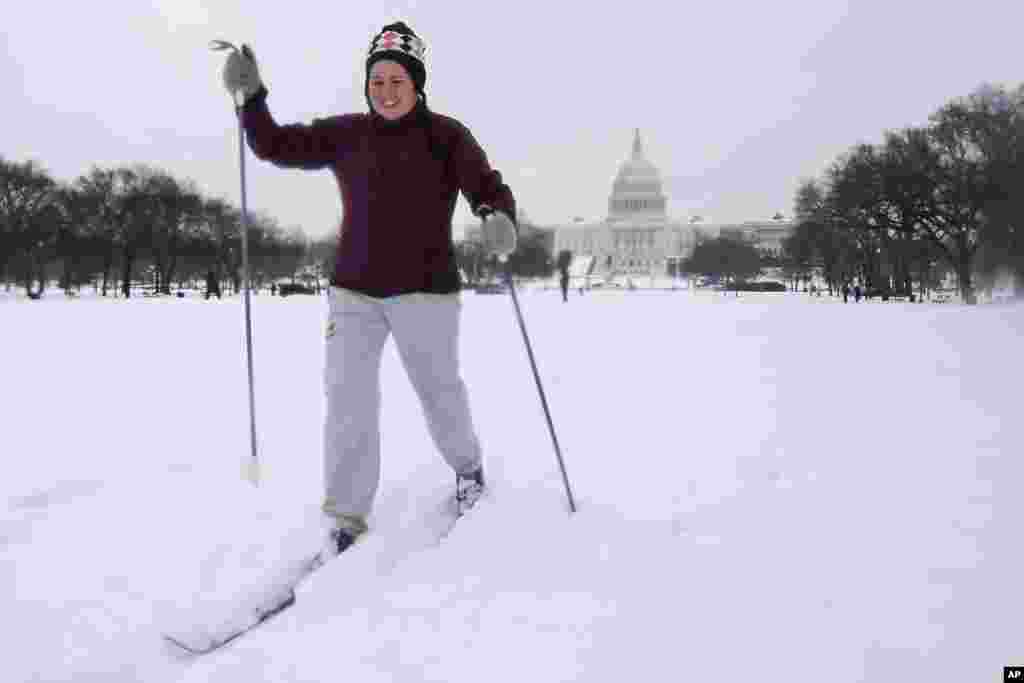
<point>392,41</point>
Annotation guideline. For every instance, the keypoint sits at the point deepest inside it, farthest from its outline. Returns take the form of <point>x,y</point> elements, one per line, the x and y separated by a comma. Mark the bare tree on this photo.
<point>77,211</point>
<point>819,239</point>
<point>173,208</point>
<point>28,218</point>
<point>110,191</point>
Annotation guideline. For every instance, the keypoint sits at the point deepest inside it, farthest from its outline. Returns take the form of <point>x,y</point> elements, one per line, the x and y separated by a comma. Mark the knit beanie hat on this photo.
<point>399,43</point>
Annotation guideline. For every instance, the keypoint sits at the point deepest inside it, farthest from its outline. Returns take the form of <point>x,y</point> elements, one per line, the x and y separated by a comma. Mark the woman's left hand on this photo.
<point>499,234</point>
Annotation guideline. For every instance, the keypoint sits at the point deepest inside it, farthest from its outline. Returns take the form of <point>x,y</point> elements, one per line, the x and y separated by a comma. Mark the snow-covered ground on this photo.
<point>770,488</point>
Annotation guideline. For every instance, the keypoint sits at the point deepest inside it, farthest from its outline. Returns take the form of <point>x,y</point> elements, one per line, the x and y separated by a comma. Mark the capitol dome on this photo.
<point>637,192</point>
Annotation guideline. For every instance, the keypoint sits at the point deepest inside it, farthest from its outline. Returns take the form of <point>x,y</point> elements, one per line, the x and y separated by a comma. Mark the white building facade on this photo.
<point>638,237</point>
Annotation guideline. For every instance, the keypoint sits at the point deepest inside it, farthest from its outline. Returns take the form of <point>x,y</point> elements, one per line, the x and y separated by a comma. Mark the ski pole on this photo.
<point>251,466</point>
<point>540,387</point>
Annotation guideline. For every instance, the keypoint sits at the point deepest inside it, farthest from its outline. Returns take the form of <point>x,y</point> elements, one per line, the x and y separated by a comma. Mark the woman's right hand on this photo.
<point>241,74</point>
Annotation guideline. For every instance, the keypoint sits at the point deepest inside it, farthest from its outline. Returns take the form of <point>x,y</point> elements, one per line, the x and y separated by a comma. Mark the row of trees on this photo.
<point>947,195</point>
<point>116,226</point>
<point>729,259</point>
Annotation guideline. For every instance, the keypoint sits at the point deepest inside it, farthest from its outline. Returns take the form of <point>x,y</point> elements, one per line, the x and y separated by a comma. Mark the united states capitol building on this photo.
<point>638,237</point>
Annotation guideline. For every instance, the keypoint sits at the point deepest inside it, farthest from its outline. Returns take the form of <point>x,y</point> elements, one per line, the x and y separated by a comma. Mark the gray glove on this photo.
<point>241,75</point>
<point>498,233</point>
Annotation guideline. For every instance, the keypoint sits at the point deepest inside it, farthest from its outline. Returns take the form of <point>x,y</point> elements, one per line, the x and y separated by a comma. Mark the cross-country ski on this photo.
<point>251,584</point>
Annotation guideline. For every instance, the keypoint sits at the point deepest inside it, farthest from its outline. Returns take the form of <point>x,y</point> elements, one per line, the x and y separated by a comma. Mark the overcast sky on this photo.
<point>736,101</point>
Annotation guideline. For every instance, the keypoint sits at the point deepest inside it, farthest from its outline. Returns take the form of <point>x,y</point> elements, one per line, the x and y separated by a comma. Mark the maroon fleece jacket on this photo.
<point>399,183</point>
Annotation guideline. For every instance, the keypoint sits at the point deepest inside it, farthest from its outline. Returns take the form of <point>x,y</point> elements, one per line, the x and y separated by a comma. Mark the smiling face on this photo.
<point>392,93</point>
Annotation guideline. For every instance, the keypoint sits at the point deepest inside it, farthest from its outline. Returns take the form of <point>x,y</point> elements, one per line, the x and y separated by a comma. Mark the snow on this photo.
<point>773,487</point>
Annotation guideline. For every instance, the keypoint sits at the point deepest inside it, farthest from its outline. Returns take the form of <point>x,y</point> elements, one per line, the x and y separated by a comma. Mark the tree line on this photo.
<point>943,196</point>
<point>118,227</point>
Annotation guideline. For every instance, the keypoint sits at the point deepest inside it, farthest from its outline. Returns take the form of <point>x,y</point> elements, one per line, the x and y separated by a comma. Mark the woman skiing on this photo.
<point>399,170</point>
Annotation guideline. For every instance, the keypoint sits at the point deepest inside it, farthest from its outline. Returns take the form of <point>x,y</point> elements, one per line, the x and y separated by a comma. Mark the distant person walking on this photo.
<point>846,293</point>
<point>212,285</point>
<point>399,168</point>
<point>563,262</point>
<point>856,294</point>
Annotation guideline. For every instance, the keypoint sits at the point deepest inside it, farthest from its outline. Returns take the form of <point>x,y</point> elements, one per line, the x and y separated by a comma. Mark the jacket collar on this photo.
<point>416,117</point>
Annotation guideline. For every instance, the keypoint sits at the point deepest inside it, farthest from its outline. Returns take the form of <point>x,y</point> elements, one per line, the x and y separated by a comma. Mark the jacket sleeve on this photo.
<point>480,184</point>
<point>297,145</point>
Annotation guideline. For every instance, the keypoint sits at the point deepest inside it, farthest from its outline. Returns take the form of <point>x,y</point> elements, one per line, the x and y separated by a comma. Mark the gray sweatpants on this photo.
<point>426,332</point>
